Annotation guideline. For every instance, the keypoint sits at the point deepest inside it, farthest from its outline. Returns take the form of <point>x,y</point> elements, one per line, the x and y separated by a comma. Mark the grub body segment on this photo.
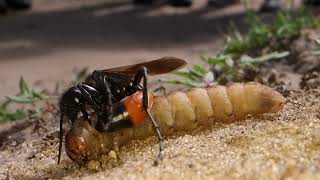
<point>162,110</point>
<point>182,112</point>
<point>202,106</point>
<point>221,105</point>
<point>236,96</point>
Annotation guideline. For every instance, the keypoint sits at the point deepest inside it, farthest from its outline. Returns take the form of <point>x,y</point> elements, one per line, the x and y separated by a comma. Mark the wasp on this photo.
<point>104,93</point>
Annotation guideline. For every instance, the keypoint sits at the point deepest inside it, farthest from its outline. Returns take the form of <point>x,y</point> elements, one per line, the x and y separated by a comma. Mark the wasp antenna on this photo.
<point>60,139</point>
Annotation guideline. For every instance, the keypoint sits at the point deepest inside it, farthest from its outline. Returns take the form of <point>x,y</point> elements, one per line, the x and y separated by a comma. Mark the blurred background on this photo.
<point>53,38</point>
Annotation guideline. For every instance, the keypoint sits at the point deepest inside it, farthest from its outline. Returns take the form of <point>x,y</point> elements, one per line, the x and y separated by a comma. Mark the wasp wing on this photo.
<point>155,67</point>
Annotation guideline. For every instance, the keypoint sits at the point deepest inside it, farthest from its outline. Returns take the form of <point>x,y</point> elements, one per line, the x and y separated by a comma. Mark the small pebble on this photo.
<point>14,143</point>
<point>112,155</point>
<point>93,165</point>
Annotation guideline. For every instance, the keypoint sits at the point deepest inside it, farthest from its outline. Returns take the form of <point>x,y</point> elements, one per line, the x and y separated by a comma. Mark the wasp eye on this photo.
<point>76,100</point>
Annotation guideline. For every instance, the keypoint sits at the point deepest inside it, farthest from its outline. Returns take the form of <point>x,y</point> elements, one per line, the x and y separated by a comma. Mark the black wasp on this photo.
<point>104,88</point>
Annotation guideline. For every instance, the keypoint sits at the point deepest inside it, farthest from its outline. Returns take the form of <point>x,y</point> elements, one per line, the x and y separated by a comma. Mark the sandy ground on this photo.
<point>273,146</point>
<point>48,42</point>
<point>277,146</point>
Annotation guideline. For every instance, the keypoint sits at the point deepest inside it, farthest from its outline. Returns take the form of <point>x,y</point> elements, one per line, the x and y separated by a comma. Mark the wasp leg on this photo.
<point>109,105</point>
<point>87,92</point>
<point>85,89</point>
<point>106,114</point>
<point>142,75</point>
<point>60,138</point>
<point>101,81</point>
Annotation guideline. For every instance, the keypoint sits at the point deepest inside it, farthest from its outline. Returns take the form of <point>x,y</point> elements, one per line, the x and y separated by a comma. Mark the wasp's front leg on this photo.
<point>106,113</point>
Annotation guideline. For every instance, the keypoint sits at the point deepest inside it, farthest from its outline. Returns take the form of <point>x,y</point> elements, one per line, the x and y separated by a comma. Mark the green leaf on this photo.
<point>35,94</point>
<point>229,61</point>
<point>20,99</point>
<point>188,74</point>
<point>12,116</point>
<point>199,69</point>
<point>24,88</point>
<point>4,104</point>
<point>183,73</point>
<point>245,59</point>
<point>217,60</point>
<point>195,75</point>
